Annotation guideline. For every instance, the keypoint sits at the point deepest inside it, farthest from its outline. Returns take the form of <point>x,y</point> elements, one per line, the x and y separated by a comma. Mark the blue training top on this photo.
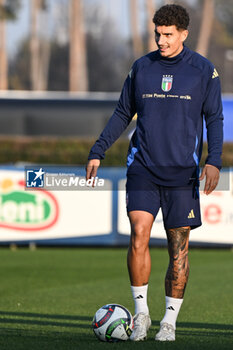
<point>170,97</point>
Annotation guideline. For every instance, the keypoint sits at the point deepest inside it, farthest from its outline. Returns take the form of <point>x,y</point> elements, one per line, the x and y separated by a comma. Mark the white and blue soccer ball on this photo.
<point>112,323</point>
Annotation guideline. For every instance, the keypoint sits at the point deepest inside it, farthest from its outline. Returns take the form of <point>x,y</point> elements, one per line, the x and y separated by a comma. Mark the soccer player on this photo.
<point>171,90</point>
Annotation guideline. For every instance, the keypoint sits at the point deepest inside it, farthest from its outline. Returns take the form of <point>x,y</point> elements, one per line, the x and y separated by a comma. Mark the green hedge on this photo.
<point>73,151</point>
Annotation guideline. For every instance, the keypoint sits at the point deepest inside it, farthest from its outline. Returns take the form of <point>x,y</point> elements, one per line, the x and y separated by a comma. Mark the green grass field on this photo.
<point>49,296</point>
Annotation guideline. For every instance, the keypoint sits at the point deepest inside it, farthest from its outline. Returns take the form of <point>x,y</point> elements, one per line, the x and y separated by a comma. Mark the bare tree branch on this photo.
<point>3,53</point>
<point>78,65</point>
<point>34,44</point>
<point>136,37</point>
<point>39,47</point>
<point>206,27</point>
<point>150,8</point>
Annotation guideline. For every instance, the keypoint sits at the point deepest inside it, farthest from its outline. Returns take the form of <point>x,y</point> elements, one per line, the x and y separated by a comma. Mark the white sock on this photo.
<point>173,306</point>
<point>140,299</point>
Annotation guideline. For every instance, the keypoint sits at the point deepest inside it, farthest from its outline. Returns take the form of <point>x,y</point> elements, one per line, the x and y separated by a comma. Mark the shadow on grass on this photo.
<point>36,338</point>
<point>31,314</point>
<point>201,329</point>
<point>8,317</point>
<point>24,330</point>
<point>199,325</point>
<point>44,319</point>
<point>205,325</point>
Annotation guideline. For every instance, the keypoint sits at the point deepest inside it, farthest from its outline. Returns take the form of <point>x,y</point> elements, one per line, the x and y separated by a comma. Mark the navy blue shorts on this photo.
<point>180,205</point>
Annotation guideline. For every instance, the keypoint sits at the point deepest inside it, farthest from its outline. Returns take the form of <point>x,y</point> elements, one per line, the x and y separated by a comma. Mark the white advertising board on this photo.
<point>29,215</point>
<point>40,214</point>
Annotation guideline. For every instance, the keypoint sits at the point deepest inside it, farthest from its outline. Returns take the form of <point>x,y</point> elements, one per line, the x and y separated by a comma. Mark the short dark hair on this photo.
<point>169,15</point>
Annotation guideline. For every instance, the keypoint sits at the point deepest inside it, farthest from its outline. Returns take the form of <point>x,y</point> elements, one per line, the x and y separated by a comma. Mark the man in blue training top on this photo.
<point>171,90</point>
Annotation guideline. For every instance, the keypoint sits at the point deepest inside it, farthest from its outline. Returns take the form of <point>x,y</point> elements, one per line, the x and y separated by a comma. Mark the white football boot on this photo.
<point>142,323</point>
<point>166,332</point>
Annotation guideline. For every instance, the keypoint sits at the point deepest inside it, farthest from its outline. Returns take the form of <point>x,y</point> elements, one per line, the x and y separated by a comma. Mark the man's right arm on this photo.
<point>119,121</point>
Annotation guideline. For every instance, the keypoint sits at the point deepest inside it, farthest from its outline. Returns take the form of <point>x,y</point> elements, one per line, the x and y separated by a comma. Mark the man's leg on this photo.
<point>139,267</point>
<point>176,280</point>
<point>139,262</point>
<point>178,268</point>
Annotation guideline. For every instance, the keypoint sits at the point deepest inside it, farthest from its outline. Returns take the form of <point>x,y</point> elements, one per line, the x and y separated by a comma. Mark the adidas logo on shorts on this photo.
<point>191,215</point>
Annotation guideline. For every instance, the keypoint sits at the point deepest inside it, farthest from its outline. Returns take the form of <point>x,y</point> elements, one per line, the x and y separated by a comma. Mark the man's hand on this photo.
<point>212,177</point>
<point>91,168</point>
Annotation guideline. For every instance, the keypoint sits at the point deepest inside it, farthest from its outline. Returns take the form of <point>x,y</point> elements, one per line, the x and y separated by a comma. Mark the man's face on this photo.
<point>170,40</point>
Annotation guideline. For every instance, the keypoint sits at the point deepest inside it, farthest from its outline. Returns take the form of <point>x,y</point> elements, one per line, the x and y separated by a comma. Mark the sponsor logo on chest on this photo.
<point>167,82</point>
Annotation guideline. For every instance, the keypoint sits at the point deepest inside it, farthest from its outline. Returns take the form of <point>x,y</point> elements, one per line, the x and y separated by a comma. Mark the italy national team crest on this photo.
<point>167,82</point>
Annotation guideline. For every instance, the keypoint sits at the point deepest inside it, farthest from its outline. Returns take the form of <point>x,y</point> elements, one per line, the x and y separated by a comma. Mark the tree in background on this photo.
<point>59,68</point>
<point>19,67</point>
<point>3,53</point>
<point>8,9</point>
<point>39,45</point>
<point>206,27</point>
<point>150,10</point>
<point>135,32</point>
<point>221,43</point>
<point>109,53</point>
<point>78,75</point>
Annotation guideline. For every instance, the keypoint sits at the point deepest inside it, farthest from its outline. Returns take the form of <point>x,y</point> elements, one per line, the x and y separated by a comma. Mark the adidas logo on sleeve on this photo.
<point>215,74</point>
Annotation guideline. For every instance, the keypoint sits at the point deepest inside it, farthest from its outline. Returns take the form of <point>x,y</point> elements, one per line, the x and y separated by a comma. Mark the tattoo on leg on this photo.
<point>178,268</point>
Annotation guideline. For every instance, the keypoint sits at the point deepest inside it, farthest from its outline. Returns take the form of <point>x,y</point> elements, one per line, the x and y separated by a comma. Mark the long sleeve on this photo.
<point>119,121</point>
<point>212,110</point>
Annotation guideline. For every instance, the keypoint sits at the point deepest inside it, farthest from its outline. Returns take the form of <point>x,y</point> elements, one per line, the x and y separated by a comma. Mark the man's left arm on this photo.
<point>212,109</point>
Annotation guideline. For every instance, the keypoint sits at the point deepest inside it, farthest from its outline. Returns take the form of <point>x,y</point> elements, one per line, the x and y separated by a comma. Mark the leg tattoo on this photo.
<point>178,268</point>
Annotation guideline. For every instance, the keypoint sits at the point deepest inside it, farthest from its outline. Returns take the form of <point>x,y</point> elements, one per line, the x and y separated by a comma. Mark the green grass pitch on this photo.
<point>48,298</point>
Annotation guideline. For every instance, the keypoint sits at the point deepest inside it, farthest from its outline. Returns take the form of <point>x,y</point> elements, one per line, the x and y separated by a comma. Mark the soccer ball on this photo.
<point>112,323</point>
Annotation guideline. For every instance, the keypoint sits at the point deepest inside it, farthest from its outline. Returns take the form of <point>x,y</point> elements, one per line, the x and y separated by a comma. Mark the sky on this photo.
<point>116,9</point>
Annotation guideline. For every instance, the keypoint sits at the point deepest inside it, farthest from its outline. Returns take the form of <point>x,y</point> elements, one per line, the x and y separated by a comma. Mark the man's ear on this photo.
<point>184,34</point>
